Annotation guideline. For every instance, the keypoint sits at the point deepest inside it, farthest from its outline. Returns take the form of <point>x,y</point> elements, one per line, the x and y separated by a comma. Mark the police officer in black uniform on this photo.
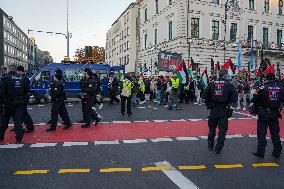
<point>268,102</point>
<point>58,97</point>
<point>14,89</point>
<point>90,88</point>
<point>113,88</point>
<point>219,95</point>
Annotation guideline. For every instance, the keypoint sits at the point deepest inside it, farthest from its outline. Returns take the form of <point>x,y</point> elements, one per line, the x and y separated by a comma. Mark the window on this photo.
<point>280,7</point>
<point>145,15</point>
<point>127,62</point>
<point>156,37</point>
<point>279,38</point>
<point>170,2</point>
<point>145,41</point>
<point>170,30</point>
<point>127,45</point>
<point>266,6</point>
<point>251,4</point>
<point>250,33</point>
<point>195,27</point>
<point>233,32</point>
<point>265,36</point>
<point>215,2</point>
<point>73,75</point>
<point>127,18</point>
<point>127,31</point>
<point>157,6</point>
<point>215,30</point>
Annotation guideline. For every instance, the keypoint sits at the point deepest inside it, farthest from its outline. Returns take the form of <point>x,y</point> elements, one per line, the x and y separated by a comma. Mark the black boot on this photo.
<point>218,149</point>
<point>51,129</point>
<point>258,154</point>
<point>85,126</point>
<point>97,121</point>
<point>67,127</point>
<point>276,154</point>
<point>211,145</point>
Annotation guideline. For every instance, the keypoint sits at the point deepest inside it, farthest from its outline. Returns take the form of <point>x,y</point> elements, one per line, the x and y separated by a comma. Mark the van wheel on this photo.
<point>33,98</point>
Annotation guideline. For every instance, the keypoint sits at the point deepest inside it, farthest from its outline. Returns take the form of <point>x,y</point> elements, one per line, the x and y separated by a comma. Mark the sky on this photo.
<point>89,21</point>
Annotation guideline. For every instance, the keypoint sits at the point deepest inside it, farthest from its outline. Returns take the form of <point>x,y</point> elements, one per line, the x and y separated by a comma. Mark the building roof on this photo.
<point>130,6</point>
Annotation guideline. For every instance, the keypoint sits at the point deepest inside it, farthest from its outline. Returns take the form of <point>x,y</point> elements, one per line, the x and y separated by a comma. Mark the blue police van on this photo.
<point>72,74</point>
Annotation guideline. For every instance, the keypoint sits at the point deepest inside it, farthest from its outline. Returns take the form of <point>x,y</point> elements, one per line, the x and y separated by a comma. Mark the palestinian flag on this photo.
<point>182,73</point>
<point>270,69</point>
<point>204,78</point>
<point>258,75</point>
<point>230,67</point>
<point>189,70</point>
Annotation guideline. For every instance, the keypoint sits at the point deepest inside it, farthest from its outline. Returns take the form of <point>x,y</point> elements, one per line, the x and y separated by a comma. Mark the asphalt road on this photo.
<point>138,161</point>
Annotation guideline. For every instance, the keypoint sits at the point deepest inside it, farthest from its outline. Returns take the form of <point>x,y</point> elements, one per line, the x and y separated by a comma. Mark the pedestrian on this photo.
<point>89,88</point>
<point>58,97</point>
<point>191,90</point>
<point>134,92</point>
<point>141,90</point>
<point>126,88</point>
<point>219,96</point>
<point>113,84</point>
<point>268,101</point>
<point>158,89</point>
<point>198,88</point>
<point>174,86</point>
<point>14,89</point>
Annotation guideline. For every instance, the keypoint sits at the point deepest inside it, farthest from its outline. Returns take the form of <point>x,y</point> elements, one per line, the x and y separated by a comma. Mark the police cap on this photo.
<point>58,74</point>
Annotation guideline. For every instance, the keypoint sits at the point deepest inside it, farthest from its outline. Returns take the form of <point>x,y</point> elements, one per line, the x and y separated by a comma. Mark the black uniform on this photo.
<point>58,97</point>
<point>218,97</point>
<point>90,88</point>
<point>268,103</point>
<point>15,89</point>
<point>26,117</point>
<point>113,88</point>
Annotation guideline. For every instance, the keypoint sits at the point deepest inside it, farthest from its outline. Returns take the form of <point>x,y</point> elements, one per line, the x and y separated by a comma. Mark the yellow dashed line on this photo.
<point>159,168</point>
<point>197,167</point>
<point>265,165</point>
<point>112,170</point>
<point>228,166</point>
<point>62,171</point>
<point>30,172</point>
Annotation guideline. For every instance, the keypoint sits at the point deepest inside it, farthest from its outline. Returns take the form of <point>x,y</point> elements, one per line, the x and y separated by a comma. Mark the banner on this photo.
<point>168,61</point>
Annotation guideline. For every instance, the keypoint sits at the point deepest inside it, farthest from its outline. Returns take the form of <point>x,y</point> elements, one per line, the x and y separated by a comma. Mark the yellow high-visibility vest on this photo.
<point>175,82</point>
<point>142,85</point>
<point>126,88</point>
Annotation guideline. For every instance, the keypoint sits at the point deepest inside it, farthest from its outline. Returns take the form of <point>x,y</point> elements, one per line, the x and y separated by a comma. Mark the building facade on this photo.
<point>32,50</point>
<point>196,29</point>
<point>121,40</point>
<point>13,43</point>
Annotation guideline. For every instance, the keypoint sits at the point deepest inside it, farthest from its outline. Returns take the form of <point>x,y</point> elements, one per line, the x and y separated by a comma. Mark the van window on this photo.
<point>43,76</point>
<point>101,73</point>
<point>73,75</point>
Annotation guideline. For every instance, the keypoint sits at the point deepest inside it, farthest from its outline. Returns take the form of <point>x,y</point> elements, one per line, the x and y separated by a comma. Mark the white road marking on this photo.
<point>11,146</point>
<point>105,122</point>
<point>41,145</point>
<point>252,136</point>
<point>106,142</point>
<point>70,105</point>
<point>194,119</point>
<point>135,141</point>
<point>162,140</point>
<point>160,121</point>
<point>243,114</point>
<point>121,122</point>
<point>245,118</point>
<point>178,120</point>
<point>30,108</point>
<point>282,139</point>
<point>40,105</point>
<point>141,107</point>
<point>234,136</point>
<point>186,138</point>
<point>75,143</point>
<point>203,137</point>
<point>146,121</point>
<point>176,177</point>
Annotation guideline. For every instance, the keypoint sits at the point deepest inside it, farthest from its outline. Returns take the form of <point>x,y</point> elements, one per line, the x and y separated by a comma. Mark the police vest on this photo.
<point>126,88</point>
<point>175,83</point>
<point>142,85</point>
<point>220,91</point>
<point>273,94</point>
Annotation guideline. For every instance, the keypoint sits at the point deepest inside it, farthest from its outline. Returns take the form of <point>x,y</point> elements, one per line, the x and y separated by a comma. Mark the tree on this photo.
<point>98,55</point>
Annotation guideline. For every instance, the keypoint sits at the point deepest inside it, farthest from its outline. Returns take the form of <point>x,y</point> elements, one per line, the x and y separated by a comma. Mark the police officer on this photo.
<point>113,84</point>
<point>14,89</point>
<point>219,95</point>
<point>268,101</point>
<point>89,88</point>
<point>174,90</point>
<point>58,97</point>
<point>126,89</point>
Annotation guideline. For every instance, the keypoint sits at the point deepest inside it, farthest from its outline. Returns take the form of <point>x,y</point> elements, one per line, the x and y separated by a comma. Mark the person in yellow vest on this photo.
<point>141,90</point>
<point>126,88</point>
<point>173,92</point>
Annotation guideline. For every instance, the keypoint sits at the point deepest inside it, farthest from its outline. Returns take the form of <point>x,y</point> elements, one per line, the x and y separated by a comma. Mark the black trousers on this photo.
<point>58,107</point>
<point>16,112</point>
<point>222,124</point>
<point>262,126</point>
<point>113,97</point>
<point>88,112</point>
<point>126,100</point>
<point>27,119</point>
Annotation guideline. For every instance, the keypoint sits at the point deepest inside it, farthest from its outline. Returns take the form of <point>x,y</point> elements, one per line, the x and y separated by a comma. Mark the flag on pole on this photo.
<point>270,69</point>
<point>204,78</point>
<point>239,56</point>
<point>182,73</point>
<point>230,67</point>
<point>251,57</point>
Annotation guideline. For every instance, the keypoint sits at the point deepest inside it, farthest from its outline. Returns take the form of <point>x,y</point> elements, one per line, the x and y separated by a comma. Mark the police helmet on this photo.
<point>20,69</point>
<point>58,74</point>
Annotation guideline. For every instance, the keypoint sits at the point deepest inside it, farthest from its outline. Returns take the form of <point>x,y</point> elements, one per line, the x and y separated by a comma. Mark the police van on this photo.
<point>72,74</point>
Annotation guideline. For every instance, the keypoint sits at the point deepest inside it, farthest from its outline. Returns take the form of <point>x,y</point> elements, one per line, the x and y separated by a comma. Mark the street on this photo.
<point>155,148</point>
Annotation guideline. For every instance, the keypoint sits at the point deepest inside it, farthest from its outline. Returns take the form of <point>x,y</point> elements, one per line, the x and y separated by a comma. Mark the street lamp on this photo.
<point>230,4</point>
